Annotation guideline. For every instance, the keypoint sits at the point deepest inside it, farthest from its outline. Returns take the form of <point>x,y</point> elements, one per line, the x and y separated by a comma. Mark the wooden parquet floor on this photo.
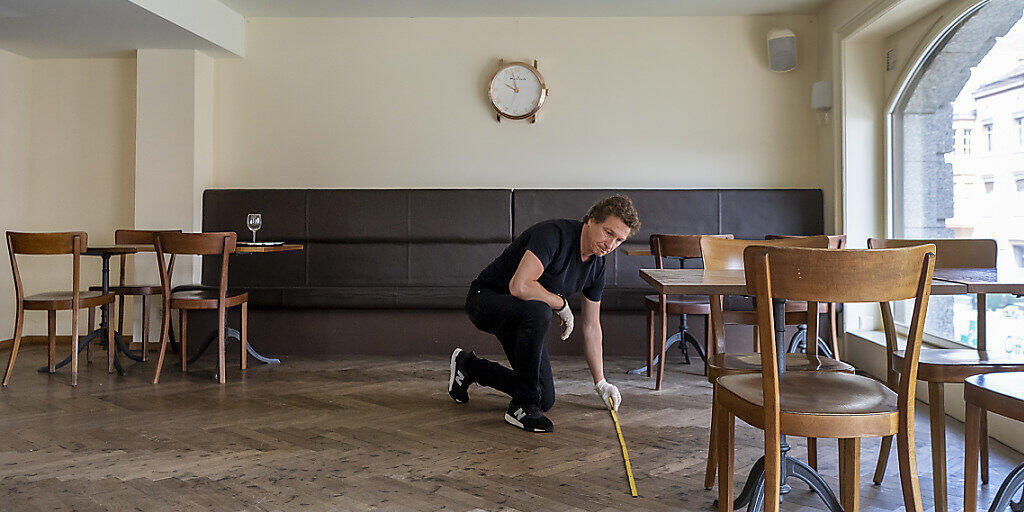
<point>378,434</point>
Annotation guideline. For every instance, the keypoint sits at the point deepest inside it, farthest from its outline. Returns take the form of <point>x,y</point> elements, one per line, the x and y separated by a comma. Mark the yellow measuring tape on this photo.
<point>625,454</point>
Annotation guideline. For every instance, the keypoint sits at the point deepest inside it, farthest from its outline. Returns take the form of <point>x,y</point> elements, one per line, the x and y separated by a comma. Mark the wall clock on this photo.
<point>517,91</point>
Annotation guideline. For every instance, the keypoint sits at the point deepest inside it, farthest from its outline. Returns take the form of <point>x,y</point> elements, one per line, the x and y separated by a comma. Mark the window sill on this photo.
<point>878,338</point>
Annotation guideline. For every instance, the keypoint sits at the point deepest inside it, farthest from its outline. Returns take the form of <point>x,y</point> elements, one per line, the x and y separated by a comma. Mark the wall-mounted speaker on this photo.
<point>781,50</point>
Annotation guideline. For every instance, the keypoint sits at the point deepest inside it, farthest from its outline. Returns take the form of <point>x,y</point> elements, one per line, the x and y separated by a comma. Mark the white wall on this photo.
<point>71,136</point>
<point>635,102</point>
<point>15,137</point>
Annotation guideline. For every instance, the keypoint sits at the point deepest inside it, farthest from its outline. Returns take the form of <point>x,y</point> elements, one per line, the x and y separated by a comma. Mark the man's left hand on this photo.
<point>608,391</point>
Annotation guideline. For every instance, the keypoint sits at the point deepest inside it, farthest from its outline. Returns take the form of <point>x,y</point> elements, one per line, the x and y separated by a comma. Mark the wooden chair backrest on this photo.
<point>723,254</point>
<point>203,244</point>
<point>136,237</point>
<point>845,275</point>
<point>950,252</point>
<point>68,242</point>
<point>834,241</point>
<point>194,244</point>
<point>46,243</point>
<point>677,246</point>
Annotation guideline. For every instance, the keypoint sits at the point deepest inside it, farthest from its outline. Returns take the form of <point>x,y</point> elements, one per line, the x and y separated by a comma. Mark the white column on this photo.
<point>173,155</point>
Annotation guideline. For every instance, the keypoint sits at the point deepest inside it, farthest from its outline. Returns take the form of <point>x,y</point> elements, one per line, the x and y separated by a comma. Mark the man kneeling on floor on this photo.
<point>517,295</point>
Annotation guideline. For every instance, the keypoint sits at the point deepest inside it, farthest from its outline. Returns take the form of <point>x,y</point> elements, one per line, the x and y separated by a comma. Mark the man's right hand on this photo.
<point>565,315</point>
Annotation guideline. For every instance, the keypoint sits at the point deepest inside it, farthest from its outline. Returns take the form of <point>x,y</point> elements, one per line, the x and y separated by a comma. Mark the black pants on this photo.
<point>520,326</point>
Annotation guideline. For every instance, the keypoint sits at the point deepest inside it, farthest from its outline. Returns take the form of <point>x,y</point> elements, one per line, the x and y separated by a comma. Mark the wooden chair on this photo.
<point>1003,394</point>
<point>222,244</point>
<point>683,247</point>
<point>728,255</point>
<point>940,366</point>
<point>826,404</point>
<point>834,242</point>
<point>73,243</point>
<point>123,290</point>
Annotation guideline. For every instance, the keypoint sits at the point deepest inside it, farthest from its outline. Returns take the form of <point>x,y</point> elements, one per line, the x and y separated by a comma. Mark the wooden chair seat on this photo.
<point>732,364</point>
<point>679,304</point>
<point>62,300</point>
<point>1003,394</point>
<point>132,289</point>
<point>205,299</point>
<point>816,404</point>
<point>955,365</point>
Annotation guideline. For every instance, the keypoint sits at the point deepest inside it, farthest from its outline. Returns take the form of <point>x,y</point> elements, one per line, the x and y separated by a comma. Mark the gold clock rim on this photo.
<point>543,89</point>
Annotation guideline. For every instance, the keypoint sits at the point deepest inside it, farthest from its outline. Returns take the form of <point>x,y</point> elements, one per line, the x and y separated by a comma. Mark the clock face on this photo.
<point>517,91</point>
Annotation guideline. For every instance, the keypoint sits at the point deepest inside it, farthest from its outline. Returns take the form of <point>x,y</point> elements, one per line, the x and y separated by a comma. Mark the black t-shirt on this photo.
<point>556,243</point>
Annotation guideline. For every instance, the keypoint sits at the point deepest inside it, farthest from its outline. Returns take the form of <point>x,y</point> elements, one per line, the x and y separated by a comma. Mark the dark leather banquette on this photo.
<point>385,271</point>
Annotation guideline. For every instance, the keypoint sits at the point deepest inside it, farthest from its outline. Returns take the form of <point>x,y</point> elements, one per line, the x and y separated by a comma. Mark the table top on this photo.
<point>249,249</point>
<point>113,249</point>
<point>100,250</point>
<point>983,280</point>
<point>696,281</point>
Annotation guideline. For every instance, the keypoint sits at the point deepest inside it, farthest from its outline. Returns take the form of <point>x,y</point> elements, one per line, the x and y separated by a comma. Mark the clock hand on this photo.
<point>510,87</point>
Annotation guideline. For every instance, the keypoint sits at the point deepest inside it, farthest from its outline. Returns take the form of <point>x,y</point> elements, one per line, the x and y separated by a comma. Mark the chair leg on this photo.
<point>906,454</point>
<point>650,341</point>
<point>983,432</point>
<point>221,332</point>
<point>707,342</point>
<point>110,349</point>
<point>712,465</point>
<point>245,334</point>
<point>145,328</point>
<point>74,345</point>
<point>883,459</point>
<point>772,470</point>
<point>51,340</point>
<point>120,313</point>
<point>849,474</point>
<point>19,321</point>
<point>937,413</point>
<point>972,446</point>
<point>812,452</point>
<point>92,327</point>
<point>664,339</point>
<point>757,341</point>
<point>165,328</point>
<point>183,338</point>
<point>725,427</point>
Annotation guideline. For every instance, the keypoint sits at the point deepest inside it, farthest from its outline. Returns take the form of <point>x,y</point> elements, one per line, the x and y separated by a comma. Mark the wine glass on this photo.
<point>254,221</point>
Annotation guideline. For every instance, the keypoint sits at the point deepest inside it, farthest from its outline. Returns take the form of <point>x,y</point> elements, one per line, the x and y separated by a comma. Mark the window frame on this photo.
<point>894,147</point>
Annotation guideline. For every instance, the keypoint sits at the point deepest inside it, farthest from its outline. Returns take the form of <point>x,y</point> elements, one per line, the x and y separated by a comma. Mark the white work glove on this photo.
<point>565,316</point>
<point>608,391</point>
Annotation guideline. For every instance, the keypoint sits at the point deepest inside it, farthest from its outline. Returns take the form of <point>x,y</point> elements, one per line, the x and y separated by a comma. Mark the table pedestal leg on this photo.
<point>231,334</point>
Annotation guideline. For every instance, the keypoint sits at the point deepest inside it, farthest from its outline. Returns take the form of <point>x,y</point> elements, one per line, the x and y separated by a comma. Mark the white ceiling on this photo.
<point>523,8</point>
<point>90,28</point>
<point>107,28</point>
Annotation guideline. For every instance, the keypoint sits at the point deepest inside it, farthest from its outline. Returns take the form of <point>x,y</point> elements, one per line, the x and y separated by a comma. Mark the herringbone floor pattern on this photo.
<point>376,433</point>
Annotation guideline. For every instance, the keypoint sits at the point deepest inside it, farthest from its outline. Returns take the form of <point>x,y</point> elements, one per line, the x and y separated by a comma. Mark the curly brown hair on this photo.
<point>619,206</point>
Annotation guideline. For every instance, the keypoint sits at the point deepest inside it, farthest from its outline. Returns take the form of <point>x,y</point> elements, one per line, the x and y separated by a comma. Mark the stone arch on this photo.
<point>923,119</point>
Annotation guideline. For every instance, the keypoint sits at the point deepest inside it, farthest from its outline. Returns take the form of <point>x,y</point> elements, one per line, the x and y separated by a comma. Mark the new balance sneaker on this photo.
<point>529,418</point>
<point>460,377</point>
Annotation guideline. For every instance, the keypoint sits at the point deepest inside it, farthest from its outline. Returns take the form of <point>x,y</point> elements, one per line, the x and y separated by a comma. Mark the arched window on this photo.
<point>958,158</point>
